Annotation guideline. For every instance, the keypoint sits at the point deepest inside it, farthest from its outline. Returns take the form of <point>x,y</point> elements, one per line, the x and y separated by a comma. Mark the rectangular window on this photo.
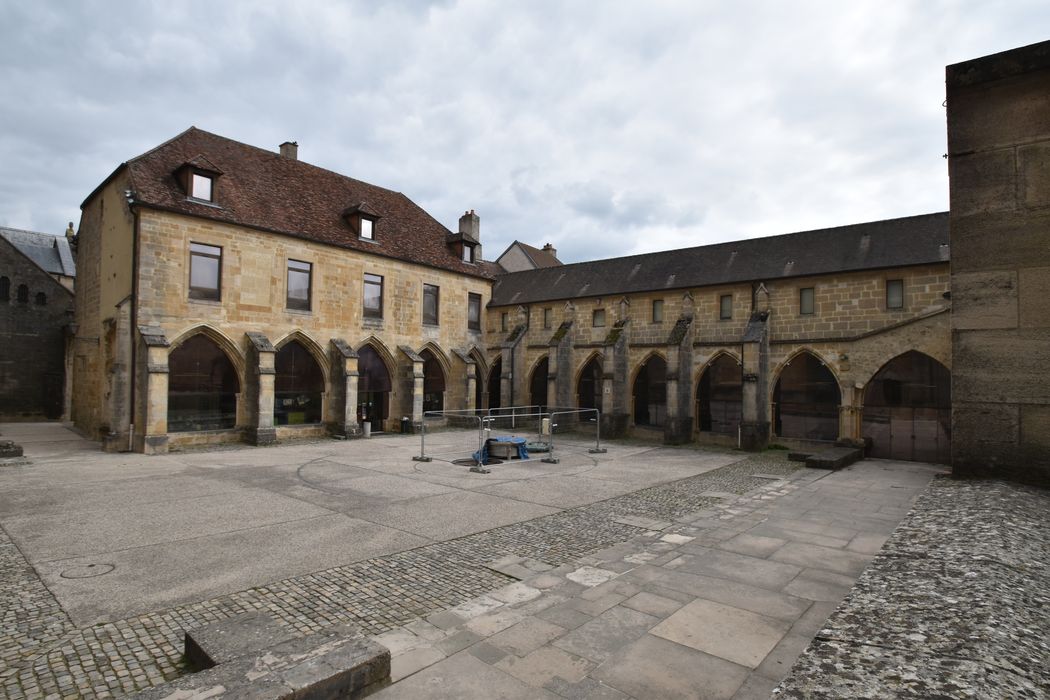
<point>368,229</point>
<point>658,310</point>
<point>503,321</point>
<point>430,304</point>
<point>468,253</point>
<point>373,299</point>
<point>200,187</point>
<point>548,315</point>
<point>299,285</point>
<point>725,306</point>
<point>474,312</point>
<point>894,294</point>
<point>205,271</point>
<point>598,318</point>
<point>805,300</point>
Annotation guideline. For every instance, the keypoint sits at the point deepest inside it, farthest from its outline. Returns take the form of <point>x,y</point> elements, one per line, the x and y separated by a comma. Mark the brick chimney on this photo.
<point>548,248</point>
<point>290,150</point>
<point>470,225</point>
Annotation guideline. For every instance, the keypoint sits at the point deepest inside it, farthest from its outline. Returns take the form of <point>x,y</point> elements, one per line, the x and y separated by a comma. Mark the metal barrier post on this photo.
<point>597,449</point>
<point>479,467</point>
<point>550,458</point>
<point>422,441</point>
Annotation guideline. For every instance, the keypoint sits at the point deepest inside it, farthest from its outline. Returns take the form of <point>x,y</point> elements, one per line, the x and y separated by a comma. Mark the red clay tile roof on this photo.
<point>263,190</point>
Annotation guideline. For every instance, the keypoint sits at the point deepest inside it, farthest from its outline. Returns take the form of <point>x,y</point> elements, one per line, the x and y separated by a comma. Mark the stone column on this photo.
<point>560,391</point>
<point>259,390</point>
<point>472,386</point>
<point>754,423</point>
<point>151,393</point>
<point>414,384</point>
<point>512,387</point>
<point>679,426</point>
<point>118,342</point>
<point>616,394</point>
<point>343,406</point>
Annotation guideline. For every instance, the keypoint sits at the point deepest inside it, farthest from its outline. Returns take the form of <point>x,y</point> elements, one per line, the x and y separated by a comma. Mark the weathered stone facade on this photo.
<point>36,311</point>
<point>999,166</point>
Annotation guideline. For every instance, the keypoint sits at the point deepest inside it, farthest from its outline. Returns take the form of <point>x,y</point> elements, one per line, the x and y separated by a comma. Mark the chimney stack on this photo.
<point>290,150</point>
<point>470,225</point>
<point>548,248</point>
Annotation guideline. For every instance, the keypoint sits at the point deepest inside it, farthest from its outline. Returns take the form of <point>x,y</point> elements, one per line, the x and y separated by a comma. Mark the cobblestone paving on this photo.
<point>41,656</point>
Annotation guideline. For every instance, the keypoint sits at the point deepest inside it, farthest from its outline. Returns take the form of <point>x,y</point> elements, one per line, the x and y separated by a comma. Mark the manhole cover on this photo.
<point>89,571</point>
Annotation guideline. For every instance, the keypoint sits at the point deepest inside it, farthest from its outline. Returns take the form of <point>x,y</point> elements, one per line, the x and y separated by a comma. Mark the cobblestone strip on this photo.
<point>378,595</point>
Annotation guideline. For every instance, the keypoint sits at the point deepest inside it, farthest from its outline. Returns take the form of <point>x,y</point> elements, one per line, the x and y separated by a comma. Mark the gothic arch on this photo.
<point>907,409</point>
<point>637,368</point>
<point>703,367</point>
<point>806,398</point>
<point>384,354</point>
<point>588,385</point>
<point>538,390</point>
<point>593,355</point>
<point>649,391</point>
<point>311,346</point>
<point>219,338</point>
<point>718,394</point>
<point>439,355</point>
<point>804,351</point>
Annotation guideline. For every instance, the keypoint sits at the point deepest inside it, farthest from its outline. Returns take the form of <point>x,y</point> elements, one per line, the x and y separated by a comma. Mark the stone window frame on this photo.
<point>724,313</point>
<point>434,291</point>
<point>598,318</point>
<point>548,318</point>
<point>297,304</point>
<point>378,281</point>
<point>898,283</point>
<point>503,317</point>
<point>205,293</point>
<point>658,311</point>
<point>473,311</point>
<point>802,305</point>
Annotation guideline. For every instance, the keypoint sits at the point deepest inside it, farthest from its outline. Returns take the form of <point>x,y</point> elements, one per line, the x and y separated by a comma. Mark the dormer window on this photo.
<point>468,253</point>
<point>368,229</point>
<point>362,219</point>
<point>200,187</point>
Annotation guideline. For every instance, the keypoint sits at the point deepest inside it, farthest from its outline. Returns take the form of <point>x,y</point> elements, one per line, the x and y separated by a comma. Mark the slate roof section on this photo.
<point>263,190</point>
<point>50,253</point>
<point>538,256</point>
<point>913,240</point>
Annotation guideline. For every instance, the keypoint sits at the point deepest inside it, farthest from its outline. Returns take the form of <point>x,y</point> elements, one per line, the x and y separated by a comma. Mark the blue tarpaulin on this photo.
<point>518,442</point>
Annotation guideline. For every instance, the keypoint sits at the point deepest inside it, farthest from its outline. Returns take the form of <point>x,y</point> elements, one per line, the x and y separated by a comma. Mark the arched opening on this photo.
<point>433,382</point>
<point>298,386</point>
<point>908,410</point>
<point>806,400</point>
<point>589,387</point>
<point>538,385</point>
<point>373,387</point>
<point>494,384</point>
<point>650,393</point>
<point>23,294</point>
<point>202,387</point>
<point>5,289</point>
<point>719,396</point>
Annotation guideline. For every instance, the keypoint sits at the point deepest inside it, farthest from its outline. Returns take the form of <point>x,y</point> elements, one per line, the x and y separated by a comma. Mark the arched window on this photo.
<point>650,393</point>
<point>373,387</point>
<point>907,409</point>
<point>23,294</point>
<point>719,396</point>
<point>495,383</point>
<point>202,387</point>
<point>433,382</point>
<point>589,388</point>
<point>538,385</point>
<point>298,386</point>
<point>5,289</point>
<point>806,401</point>
<point>41,299</point>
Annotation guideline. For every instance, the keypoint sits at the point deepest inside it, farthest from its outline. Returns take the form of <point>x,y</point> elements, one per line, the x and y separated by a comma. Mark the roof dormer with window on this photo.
<point>363,220</point>
<point>197,178</point>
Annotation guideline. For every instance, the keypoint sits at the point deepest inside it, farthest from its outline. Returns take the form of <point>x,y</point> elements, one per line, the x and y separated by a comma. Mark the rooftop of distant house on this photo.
<point>51,253</point>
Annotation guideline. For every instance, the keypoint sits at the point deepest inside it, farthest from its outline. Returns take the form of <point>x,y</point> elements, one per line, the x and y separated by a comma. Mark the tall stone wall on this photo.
<point>999,167</point>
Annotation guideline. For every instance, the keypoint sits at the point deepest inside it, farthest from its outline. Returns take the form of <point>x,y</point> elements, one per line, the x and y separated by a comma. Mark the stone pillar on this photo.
<point>679,426</point>
<point>471,402</point>
<point>512,387</point>
<point>258,390</point>
<point>151,393</point>
<point>754,423</point>
<point>343,406</point>
<point>413,383</point>
<point>118,342</point>
<point>560,391</point>
<point>616,393</point>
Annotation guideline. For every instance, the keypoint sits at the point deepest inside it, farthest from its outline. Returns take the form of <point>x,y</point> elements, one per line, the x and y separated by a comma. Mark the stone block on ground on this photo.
<point>834,458</point>
<point>231,639</point>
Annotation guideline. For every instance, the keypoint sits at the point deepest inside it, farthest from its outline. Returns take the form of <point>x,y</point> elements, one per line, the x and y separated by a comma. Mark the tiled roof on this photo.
<point>912,240</point>
<point>50,253</point>
<point>263,190</point>
<point>539,257</point>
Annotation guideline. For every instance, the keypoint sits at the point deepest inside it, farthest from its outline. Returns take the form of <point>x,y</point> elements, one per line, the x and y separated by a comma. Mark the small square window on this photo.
<point>373,299</point>
<point>299,274</point>
<point>367,228</point>
<point>503,321</point>
<point>658,310</point>
<point>205,271</point>
<point>725,307</point>
<point>430,304</point>
<point>474,312</point>
<point>598,318</point>
<point>548,315</point>
<point>894,294</point>
<point>806,301</point>
<point>200,187</point>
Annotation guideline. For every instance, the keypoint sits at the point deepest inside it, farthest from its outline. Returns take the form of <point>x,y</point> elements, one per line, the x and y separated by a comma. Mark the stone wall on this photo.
<point>33,340</point>
<point>999,166</point>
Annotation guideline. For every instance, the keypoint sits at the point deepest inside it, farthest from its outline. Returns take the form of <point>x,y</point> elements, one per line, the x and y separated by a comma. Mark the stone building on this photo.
<point>36,312</point>
<point>229,292</point>
<point>521,256</point>
<point>999,168</point>
<point>813,336</point>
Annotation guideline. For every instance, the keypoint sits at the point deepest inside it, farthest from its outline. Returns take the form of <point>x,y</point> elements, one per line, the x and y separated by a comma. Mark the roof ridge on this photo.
<point>25,230</point>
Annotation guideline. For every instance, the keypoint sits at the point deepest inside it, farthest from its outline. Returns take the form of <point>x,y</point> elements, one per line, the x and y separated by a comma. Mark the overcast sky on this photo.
<point>605,128</point>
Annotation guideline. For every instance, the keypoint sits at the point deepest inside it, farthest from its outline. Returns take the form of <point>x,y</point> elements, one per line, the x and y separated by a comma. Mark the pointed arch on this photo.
<point>203,385</point>
<point>380,348</point>
<point>806,398</point>
<point>481,377</point>
<point>720,394</point>
<point>312,346</point>
<point>649,356</point>
<point>589,382</point>
<point>495,383</point>
<point>709,361</point>
<point>907,409</point>
<point>232,350</point>
<point>649,391</point>
<point>478,355</point>
<point>435,378</point>
<point>538,382</point>
<point>299,382</point>
<point>376,369</point>
<point>804,351</point>
<point>439,355</point>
